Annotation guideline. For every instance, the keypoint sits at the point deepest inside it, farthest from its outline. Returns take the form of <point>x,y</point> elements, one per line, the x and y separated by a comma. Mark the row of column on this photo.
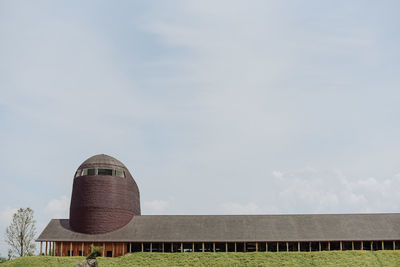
<point>266,246</point>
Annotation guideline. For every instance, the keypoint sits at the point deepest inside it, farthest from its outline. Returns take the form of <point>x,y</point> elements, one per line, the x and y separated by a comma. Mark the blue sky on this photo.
<point>216,107</point>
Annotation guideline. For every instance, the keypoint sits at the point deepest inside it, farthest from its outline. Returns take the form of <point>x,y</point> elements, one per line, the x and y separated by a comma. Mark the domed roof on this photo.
<point>102,160</point>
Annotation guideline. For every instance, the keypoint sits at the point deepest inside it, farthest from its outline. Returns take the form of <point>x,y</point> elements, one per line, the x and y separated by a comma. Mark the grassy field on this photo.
<point>344,258</point>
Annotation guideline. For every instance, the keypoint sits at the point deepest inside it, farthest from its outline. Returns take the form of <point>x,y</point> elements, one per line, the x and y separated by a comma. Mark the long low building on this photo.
<point>105,212</point>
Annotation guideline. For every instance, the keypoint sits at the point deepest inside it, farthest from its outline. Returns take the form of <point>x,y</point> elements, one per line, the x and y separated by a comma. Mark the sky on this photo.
<point>215,107</point>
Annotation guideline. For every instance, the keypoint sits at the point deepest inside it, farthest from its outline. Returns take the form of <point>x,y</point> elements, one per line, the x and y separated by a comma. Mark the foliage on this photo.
<point>21,232</point>
<point>94,252</point>
<point>2,260</point>
<point>325,258</point>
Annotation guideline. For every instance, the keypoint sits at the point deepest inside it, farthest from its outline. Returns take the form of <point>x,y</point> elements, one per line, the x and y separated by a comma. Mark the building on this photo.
<point>105,212</point>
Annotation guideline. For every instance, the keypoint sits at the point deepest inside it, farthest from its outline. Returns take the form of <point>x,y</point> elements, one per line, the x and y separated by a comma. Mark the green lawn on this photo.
<point>332,258</point>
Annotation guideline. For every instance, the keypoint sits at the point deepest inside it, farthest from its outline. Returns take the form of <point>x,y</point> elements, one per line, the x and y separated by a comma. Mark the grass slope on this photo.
<point>332,258</point>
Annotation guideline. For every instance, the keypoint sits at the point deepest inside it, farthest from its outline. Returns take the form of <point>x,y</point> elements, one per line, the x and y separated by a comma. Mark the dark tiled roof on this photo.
<point>222,228</point>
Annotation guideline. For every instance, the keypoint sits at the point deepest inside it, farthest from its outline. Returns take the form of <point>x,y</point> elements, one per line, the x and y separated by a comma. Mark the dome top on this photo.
<point>102,160</point>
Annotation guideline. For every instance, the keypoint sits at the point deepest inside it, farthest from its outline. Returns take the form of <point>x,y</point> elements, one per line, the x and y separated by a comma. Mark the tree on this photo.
<point>21,233</point>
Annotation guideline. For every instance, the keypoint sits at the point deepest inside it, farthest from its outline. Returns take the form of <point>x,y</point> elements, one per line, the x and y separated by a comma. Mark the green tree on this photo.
<point>21,233</point>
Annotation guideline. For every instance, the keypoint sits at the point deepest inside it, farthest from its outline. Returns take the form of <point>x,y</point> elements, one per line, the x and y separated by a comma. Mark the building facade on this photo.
<point>105,212</point>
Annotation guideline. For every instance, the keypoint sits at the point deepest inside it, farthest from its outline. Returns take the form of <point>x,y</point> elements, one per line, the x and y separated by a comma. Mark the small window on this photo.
<point>84,172</point>
<point>105,172</point>
<point>91,171</point>
<point>109,253</point>
<point>80,253</point>
<point>78,173</point>
<point>119,173</point>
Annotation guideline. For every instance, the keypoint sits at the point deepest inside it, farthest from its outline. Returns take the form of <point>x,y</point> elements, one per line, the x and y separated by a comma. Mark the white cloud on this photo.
<point>156,206</point>
<point>58,208</point>
<point>322,191</point>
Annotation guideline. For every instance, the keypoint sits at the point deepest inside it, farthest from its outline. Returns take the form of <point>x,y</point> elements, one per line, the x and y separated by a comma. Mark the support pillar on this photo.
<point>277,246</point>
<point>61,252</point>
<point>113,248</point>
<point>235,247</point>
<point>329,245</point>
<point>244,247</point>
<point>172,247</point>
<point>226,246</point>
<point>162,247</point>
<point>151,247</point>
<point>310,246</point>
<point>383,245</point>
<point>256,246</point>
<point>298,246</point>
<point>104,248</point>
<point>287,246</point>
<point>266,246</point>
<point>352,245</point>
<point>46,249</point>
<point>372,245</point>
<point>181,247</point>
<point>123,249</point>
<point>41,245</point>
<point>192,246</point>
<point>394,245</point>
<point>213,246</point>
<point>70,248</point>
<point>202,247</point>
<point>362,245</point>
<point>142,247</point>
<point>341,245</point>
<point>50,248</point>
<point>319,246</point>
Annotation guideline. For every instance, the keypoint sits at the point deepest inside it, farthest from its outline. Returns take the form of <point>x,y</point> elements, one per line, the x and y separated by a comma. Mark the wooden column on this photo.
<point>61,250</point>
<point>298,246</point>
<point>113,247</point>
<point>46,249</point>
<point>213,246</point>
<point>329,245</point>
<point>362,245</point>
<point>142,247</point>
<point>319,246</point>
<point>352,245</point>
<point>310,246</point>
<point>394,245</point>
<point>123,249</point>
<point>226,246</point>
<point>50,248</point>
<point>372,245</point>
<point>192,246</point>
<point>256,246</point>
<point>266,246</point>
<point>70,248</point>
<point>202,247</point>
<point>235,247</point>
<point>181,247</point>
<point>83,249</point>
<point>172,247</point>
<point>287,246</point>
<point>54,248</point>
<point>277,246</point>
<point>341,245</point>
<point>151,247</point>
<point>41,245</point>
<point>104,248</point>
<point>383,245</point>
<point>162,247</point>
<point>244,247</point>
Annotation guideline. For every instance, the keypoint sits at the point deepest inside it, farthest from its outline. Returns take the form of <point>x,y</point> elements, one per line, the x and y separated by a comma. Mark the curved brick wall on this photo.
<point>103,203</point>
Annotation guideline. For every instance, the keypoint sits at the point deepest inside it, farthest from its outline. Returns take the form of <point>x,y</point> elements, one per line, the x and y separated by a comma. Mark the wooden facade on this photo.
<point>116,249</point>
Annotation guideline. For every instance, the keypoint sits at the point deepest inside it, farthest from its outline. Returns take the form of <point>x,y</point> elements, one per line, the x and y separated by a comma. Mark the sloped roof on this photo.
<point>229,228</point>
